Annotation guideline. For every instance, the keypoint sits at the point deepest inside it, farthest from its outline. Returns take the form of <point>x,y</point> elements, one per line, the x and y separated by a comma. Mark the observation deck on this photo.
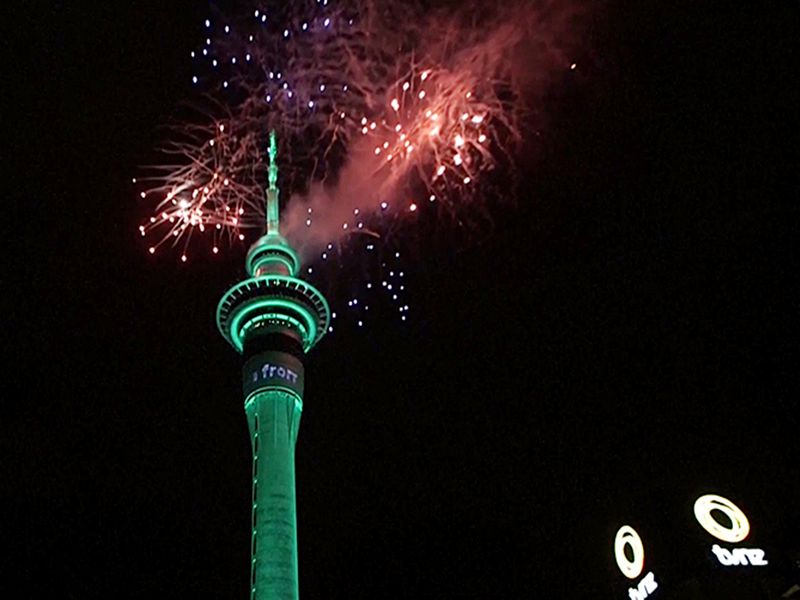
<point>273,303</point>
<point>273,299</point>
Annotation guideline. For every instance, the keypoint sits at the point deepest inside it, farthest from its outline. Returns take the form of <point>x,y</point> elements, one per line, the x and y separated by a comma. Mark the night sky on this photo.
<point>622,343</point>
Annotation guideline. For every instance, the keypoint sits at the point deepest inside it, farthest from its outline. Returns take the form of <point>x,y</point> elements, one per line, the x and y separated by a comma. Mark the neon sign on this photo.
<point>736,532</point>
<point>627,536</point>
<point>739,528</point>
<point>739,556</point>
<point>632,567</point>
<point>272,369</point>
<point>269,371</point>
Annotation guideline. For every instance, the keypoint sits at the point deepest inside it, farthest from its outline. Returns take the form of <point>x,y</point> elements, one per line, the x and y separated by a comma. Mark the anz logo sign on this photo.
<point>629,552</point>
<point>733,532</point>
<point>716,515</point>
<point>739,556</point>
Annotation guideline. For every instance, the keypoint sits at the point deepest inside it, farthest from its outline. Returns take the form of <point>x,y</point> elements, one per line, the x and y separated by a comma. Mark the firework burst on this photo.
<point>391,98</point>
<point>381,109</point>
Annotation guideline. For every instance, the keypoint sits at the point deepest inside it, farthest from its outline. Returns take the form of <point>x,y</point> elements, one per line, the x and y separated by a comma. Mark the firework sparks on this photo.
<point>436,128</point>
<point>216,193</point>
<point>378,106</point>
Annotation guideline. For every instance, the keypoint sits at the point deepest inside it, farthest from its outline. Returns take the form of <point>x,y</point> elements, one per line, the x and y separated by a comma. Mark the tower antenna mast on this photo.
<point>273,209</point>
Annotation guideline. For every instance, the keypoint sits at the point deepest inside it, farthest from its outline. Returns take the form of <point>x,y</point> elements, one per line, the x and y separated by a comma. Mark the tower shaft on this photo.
<point>273,403</point>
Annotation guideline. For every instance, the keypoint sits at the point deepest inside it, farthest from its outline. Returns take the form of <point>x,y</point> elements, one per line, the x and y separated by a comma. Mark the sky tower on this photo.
<point>273,318</point>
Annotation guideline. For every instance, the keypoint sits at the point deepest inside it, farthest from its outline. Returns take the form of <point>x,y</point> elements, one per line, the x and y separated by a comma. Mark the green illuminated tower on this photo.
<point>273,318</point>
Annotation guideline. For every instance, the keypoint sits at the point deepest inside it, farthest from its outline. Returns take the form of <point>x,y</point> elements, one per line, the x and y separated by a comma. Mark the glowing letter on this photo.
<point>739,556</point>
<point>756,557</point>
<point>649,583</point>
<point>635,594</point>
<point>723,556</point>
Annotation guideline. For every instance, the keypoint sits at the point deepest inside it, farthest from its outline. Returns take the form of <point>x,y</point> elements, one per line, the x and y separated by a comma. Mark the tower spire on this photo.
<point>273,208</point>
<point>271,253</point>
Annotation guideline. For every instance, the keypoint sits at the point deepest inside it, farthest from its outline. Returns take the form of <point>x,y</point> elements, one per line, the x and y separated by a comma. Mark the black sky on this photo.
<point>623,342</point>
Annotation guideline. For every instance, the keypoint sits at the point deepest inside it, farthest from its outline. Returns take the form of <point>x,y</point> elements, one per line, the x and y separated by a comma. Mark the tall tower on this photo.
<point>273,318</point>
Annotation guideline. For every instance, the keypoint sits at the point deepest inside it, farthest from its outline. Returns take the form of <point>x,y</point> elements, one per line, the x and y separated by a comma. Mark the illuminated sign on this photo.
<point>646,587</point>
<point>272,370</point>
<point>739,527</point>
<point>268,371</point>
<point>627,536</point>
<point>739,556</point>
<point>735,532</point>
<point>631,565</point>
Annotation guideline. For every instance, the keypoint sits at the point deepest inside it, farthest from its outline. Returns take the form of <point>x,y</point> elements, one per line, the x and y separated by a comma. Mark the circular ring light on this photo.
<point>627,536</point>
<point>739,528</point>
